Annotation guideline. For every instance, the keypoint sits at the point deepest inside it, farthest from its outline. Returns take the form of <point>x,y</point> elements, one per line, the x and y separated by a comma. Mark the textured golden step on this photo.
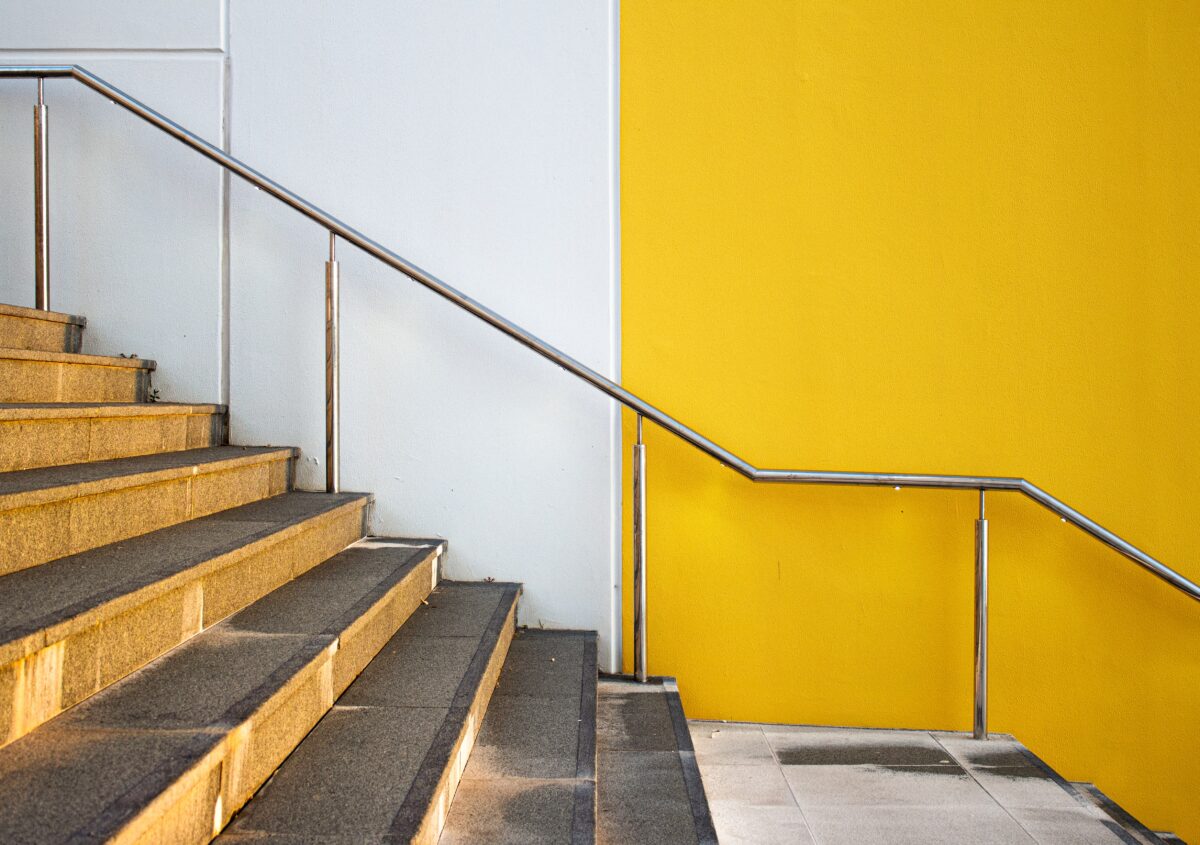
<point>37,376</point>
<point>169,753</point>
<point>36,435</point>
<point>50,331</point>
<point>384,764</point>
<point>52,512</point>
<point>72,626</point>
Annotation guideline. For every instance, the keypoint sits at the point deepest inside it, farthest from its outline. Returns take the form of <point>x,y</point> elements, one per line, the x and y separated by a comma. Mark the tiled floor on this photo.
<point>828,786</point>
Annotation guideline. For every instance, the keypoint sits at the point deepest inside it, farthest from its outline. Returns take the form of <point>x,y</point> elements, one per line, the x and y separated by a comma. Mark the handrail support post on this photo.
<point>980,729</point>
<point>41,203</point>
<point>332,367</point>
<point>639,556</point>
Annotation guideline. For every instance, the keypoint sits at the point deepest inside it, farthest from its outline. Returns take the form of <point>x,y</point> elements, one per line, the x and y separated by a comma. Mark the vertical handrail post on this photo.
<point>639,555</point>
<point>332,385</point>
<point>981,620</point>
<point>41,203</point>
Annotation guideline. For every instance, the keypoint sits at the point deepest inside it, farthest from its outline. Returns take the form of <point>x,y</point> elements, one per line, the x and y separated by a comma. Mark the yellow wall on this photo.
<point>932,236</point>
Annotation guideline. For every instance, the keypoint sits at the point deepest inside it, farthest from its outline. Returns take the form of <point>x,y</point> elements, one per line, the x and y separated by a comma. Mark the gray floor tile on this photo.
<point>867,786</point>
<point>739,824</point>
<point>733,745</point>
<point>857,747</point>
<point>864,825</point>
<point>1068,827</point>
<point>751,786</point>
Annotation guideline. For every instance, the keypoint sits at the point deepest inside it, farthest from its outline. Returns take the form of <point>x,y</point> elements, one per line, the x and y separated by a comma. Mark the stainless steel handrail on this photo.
<point>642,408</point>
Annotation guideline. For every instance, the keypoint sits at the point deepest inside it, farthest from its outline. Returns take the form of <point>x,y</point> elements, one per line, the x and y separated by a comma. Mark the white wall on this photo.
<point>475,138</point>
<point>135,219</point>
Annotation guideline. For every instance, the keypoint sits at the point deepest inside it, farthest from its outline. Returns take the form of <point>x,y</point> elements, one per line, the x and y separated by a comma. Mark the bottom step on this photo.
<point>385,761</point>
<point>171,751</point>
<point>532,775</point>
<point>649,784</point>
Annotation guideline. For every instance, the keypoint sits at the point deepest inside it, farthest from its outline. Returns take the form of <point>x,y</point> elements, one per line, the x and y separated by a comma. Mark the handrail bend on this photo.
<point>581,370</point>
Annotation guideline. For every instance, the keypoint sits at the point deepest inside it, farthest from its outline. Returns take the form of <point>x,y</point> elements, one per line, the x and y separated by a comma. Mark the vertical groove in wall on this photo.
<point>615,646</point>
<point>226,141</point>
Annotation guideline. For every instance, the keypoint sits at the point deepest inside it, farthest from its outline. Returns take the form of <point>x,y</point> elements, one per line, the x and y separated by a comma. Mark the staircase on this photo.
<point>190,648</point>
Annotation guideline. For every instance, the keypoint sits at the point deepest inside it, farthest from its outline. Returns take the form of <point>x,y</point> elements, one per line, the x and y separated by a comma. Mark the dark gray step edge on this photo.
<point>181,567</point>
<point>1120,815</point>
<point>411,815</point>
<point>583,822</point>
<point>706,832</point>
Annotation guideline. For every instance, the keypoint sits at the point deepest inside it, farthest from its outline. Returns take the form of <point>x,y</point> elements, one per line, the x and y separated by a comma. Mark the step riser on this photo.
<point>205,798</point>
<point>40,335</point>
<point>29,444</point>
<point>438,809</point>
<point>42,532</point>
<point>54,381</point>
<point>76,660</point>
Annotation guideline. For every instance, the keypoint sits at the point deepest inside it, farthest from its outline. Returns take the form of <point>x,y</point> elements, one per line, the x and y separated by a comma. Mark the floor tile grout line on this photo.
<point>966,767</point>
<point>812,834</point>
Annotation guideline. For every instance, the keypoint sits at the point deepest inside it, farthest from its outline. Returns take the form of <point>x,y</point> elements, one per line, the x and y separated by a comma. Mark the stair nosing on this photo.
<point>21,645</point>
<point>33,411</point>
<point>131,480</point>
<point>79,358</point>
<point>21,312</point>
<point>134,812</point>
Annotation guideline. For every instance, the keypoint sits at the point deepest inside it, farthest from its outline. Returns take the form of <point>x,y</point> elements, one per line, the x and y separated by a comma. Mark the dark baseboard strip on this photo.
<point>706,832</point>
<point>583,824</point>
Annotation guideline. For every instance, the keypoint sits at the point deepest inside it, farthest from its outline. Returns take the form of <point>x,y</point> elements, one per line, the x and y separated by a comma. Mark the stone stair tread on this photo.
<point>71,410</point>
<point>532,772</point>
<point>76,358</point>
<point>178,745</point>
<point>32,486</point>
<point>43,603</point>
<point>649,787</point>
<point>37,314</point>
<point>384,761</point>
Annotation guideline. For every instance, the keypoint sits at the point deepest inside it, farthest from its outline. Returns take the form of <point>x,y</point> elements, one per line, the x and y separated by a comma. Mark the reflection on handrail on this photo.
<point>582,371</point>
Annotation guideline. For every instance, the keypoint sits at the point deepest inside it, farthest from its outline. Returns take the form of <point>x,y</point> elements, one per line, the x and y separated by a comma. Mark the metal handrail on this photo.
<point>610,388</point>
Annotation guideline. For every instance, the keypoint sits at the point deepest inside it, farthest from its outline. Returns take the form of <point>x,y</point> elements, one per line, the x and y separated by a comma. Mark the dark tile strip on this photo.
<point>1119,814</point>
<point>408,818</point>
<point>706,832</point>
<point>583,824</point>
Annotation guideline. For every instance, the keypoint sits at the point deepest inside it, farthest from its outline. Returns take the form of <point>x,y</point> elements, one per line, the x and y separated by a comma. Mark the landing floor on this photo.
<point>768,784</point>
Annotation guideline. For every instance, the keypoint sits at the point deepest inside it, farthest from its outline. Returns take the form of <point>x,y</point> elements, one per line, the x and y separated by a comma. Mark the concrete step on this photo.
<point>383,765</point>
<point>53,512</point>
<point>648,780</point>
<point>37,376</point>
<point>532,774</point>
<point>75,625</point>
<point>47,331</point>
<point>1135,831</point>
<point>43,435</point>
<point>171,752</point>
